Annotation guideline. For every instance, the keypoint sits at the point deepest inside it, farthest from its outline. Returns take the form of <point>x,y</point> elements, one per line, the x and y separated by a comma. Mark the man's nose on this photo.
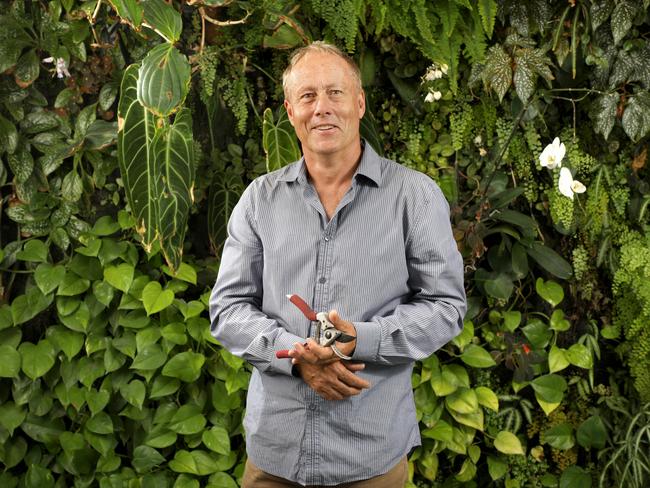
<point>323,105</point>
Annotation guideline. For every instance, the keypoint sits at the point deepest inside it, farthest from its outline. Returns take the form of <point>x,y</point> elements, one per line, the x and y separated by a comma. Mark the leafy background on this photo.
<point>129,129</point>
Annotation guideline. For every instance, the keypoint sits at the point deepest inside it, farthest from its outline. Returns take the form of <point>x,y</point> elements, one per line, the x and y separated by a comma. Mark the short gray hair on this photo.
<point>319,47</point>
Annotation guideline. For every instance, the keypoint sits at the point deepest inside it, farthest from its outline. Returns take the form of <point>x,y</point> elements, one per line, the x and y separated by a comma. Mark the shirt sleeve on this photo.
<point>433,315</point>
<point>237,320</point>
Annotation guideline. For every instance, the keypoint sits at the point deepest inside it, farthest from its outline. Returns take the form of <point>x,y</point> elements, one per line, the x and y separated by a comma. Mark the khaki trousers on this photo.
<point>254,477</point>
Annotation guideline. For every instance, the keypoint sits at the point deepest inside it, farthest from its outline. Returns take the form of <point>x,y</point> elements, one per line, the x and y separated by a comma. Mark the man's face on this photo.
<point>324,104</point>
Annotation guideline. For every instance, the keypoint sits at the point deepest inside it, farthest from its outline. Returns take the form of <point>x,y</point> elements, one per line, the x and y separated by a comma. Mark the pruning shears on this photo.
<point>326,334</point>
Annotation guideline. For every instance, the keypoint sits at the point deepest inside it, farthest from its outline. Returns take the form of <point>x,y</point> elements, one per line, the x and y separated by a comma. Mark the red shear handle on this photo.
<point>283,354</point>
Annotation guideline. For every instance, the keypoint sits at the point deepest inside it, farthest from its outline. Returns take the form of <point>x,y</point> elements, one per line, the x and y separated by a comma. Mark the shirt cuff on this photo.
<point>284,341</point>
<point>368,336</point>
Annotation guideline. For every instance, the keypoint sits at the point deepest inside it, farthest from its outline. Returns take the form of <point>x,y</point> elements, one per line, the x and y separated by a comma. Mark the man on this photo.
<point>346,230</point>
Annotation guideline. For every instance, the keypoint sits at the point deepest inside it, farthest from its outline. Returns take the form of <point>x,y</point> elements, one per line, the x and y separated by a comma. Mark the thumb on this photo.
<point>334,317</point>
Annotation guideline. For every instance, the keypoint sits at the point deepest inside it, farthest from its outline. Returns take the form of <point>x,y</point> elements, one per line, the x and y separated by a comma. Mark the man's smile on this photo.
<point>324,127</point>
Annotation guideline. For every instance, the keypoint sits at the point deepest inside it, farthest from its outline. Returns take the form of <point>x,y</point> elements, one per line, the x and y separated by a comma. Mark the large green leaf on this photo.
<point>163,79</point>
<point>508,443</point>
<point>134,137</point>
<point>560,436</point>
<point>186,366</point>
<point>173,155</point>
<point>575,477</point>
<point>129,10</point>
<point>550,260</point>
<point>10,362</point>
<point>279,140</point>
<point>26,307</point>
<point>164,19</point>
<point>224,194</point>
<point>592,433</point>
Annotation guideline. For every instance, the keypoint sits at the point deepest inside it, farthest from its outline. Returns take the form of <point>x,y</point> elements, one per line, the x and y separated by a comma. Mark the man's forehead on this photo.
<point>318,69</point>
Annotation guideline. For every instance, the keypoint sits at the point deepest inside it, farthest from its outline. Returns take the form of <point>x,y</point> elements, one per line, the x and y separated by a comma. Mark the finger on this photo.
<point>349,377</point>
<point>354,366</point>
<point>302,353</point>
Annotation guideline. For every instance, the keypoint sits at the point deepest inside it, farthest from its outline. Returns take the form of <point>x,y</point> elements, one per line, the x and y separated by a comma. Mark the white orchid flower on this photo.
<point>437,95</point>
<point>552,154</point>
<point>568,186</point>
<point>61,67</point>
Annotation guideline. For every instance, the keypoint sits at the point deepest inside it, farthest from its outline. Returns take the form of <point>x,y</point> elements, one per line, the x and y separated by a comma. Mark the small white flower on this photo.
<point>429,98</point>
<point>61,67</point>
<point>437,95</point>
<point>568,186</point>
<point>478,140</point>
<point>482,151</point>
<point>552,154</point>
<point>433,73</point>
<point>444,68</point>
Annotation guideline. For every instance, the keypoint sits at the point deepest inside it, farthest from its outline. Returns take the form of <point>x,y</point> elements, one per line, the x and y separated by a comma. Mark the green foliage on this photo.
<point>109,375</point>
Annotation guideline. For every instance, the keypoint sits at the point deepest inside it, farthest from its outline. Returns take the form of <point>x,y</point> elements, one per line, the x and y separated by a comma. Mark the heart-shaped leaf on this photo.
<point>10,362</point>
<point>48,277</point>
<point>550,291</point>
<point>120,276</point>
<point>188,420</point>
<point>185,366</point>
<point>477,357</point>
<point>149,357</point>
<point>65,340</point>
<point>508,443</point>
<point>155,298</point>
<point>557,359</point>
<point>560,436</point>
<point>145,458</point>
<point>34,250</point>
<point>134,392</point>
<point>37,359</point>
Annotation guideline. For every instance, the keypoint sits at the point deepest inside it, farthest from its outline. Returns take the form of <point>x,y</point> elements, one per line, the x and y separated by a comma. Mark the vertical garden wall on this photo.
<point>129,129</point>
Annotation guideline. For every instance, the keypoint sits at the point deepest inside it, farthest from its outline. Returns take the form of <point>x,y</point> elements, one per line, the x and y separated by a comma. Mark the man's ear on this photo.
<point>289,108</point>
<point>362,103</point>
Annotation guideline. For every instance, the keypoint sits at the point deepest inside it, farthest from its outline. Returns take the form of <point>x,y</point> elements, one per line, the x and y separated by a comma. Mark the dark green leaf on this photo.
<point>34,251</point>
<point>636,118</point>
<point>575,477</point>
<point>145,458</point>
<point>186,366</point>
<point>21,164</point>
<point>164,19</point>
<point>550,387</point>
<point>85,118</point>
<point>163,80</point>
<point>26,307</point>
<point>27,69</point>
<point>108,95</point>
<point>65,340</point>
<point>603,113</point>
<point>188,420</point>
<point>592,433</point>
<point>538,333</point>
<point>497,74</point>
<point>12,415</point>
<point>622,18</point>
<point>560,437</point>
<point>134,393</point>
<point>279,140</point>
<point>150,357</point>
<point>550,260</point>
<point>8,133</point>
<point>129,10</point>
<point>101,423</point>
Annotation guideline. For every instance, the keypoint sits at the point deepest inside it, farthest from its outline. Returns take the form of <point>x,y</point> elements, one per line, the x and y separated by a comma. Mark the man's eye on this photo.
<point>336,92</point>
<point>307,96</point>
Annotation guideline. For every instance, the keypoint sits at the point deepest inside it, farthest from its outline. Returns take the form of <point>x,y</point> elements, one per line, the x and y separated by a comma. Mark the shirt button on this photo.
<point>322,280</point>
<point>312,406</point>
<point>327,238</point>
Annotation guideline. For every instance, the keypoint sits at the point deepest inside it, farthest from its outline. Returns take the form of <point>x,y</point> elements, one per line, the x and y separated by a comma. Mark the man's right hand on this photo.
<point>333,381</point>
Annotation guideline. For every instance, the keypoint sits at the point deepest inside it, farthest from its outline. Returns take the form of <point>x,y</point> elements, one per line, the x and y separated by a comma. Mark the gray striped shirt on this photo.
<point>387,261</point>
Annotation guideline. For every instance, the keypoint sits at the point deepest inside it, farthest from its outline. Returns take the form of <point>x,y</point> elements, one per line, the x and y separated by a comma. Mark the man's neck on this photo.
<point>331,170</point>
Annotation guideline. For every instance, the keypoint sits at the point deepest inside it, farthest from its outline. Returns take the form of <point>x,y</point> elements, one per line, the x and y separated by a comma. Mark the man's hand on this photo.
<point>313,353</point>
<point>333,381</point>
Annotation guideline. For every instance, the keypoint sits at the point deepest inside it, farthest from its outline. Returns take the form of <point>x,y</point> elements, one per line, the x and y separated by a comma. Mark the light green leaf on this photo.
<point>560,437</point>
<point>120,276</point>
<point>477,357</point>
<point>550,291</point>
<point>184,272</point>
<point>164,19</point>
<point>592,433</point>
<point>37,359</point>
<point>550,387</point>
<point>155,298</point>
<point>474,420</point>
<point>221,480</point>
<point>488,12</point>
<point>103,292</point>
<point>188,420</point>
<point>163,80</point>
<point>463,401</point>
<point>511,320</point>
<point>65,340</point>
<point>195,462</point>
<point>86,117</point>
<point>487,398</point>
<point>579,355</point>
<point>134,393</point>
<point>72,285</point>
<point>185,366</point>
<point>150,357</point>
<point>48,277</point>
<point>173,153</point>
<point>72,187</point>
<point>538,333</point>
<point>35,250</point>
<point>558,322</point>
<point>508,443</point>
<point>279,140</point>
<point>557,359</point>
<point>441,431</point>
<point>145,458</point>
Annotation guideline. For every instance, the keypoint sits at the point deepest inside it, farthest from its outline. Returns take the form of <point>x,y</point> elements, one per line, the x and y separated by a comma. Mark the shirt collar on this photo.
<point>369,167</point>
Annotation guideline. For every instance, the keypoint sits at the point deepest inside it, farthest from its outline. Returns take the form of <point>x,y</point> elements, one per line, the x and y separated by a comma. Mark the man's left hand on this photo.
<point>313,353</point>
